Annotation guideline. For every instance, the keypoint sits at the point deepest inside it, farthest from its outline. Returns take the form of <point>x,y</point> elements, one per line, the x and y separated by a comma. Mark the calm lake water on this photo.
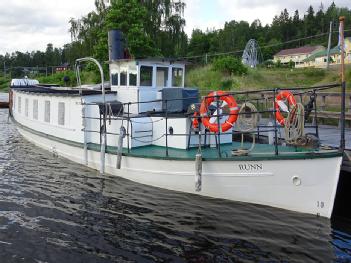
<point>53,210</point>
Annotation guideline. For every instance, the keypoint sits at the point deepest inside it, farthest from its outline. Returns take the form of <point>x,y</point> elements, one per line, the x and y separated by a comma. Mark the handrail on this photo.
<point>103,136</point>
<point>89,59</point>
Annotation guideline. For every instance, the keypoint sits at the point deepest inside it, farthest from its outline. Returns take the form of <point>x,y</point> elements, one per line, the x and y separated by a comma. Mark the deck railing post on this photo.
<point>324,102</point>
<point>275,124</point>
<point>128,123</point>
<point>343,83</point>
<point>219,126</point>
<point>85,134</point>
<point>166,127</point>
<point>342,117</point>
<point>315,113</point>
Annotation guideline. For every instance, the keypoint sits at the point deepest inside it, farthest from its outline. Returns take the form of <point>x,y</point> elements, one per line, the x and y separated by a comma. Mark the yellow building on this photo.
<point>319,59</point>
<point>296,55</point>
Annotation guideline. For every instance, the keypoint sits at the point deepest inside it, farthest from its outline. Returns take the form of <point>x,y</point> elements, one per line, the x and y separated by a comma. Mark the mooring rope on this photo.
<point>246,123</point>
<point>294,125</point>
<point>248,117</point>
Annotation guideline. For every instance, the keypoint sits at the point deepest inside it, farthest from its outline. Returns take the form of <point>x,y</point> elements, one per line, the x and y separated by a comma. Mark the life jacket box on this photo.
<point>178,99</point>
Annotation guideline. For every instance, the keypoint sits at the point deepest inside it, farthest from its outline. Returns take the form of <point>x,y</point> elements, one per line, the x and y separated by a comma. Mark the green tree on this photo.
<point>129,17</point>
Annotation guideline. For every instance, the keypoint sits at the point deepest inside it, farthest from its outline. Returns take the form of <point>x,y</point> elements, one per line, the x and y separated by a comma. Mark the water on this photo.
<point>53,210</point>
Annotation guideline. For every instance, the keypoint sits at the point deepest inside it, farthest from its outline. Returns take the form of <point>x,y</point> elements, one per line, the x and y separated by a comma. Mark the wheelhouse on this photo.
<point>141,81</point>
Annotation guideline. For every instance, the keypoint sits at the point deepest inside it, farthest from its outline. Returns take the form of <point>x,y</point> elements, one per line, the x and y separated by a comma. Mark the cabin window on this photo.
<point>35,109</point>
<point>146,76</point>
<point>177,77</point>
<point>162,77</point>
<point>123,78</point>
<point>114,79</point>
<point>47,111</point>
<point>19,104</point>
<point>61,113</point>
<point>26,102</point>
<point>132,79</point>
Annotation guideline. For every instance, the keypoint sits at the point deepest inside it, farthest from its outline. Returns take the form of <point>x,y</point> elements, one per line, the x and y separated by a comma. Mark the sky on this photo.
<point>30,25</point>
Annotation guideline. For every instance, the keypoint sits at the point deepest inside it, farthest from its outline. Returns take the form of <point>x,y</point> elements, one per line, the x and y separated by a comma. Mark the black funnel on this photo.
<point>115,45</point>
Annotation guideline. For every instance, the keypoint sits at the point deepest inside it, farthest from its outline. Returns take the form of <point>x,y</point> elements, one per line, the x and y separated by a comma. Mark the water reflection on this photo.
<point>53,210</point>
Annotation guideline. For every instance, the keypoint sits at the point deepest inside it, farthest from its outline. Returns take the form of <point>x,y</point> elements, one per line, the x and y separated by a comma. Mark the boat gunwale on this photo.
<point>280,156</point>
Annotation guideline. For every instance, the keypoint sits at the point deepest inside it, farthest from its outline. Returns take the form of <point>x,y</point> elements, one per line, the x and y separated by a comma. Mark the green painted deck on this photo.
<point>260,152</point>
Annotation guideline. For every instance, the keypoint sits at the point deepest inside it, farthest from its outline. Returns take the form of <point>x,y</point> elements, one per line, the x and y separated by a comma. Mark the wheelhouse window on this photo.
<point>19,104</point>
<point>132,76</point>
<point>123,78</point>
<point>146,76</point>
<point>114,79</point>
<point>61,113</point>
<point>26,102</point>
<point>177,77</point>
<point>132,79</point>
<point>47,111</point>
<point>35,109</point>
<point>162,77</point>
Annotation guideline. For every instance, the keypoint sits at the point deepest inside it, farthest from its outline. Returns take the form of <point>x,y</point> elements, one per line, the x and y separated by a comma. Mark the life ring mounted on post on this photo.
<point>205,115</point>
<point>279,103</point>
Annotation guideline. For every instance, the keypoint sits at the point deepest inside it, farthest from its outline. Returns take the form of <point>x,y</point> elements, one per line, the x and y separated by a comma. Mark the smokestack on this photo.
<point>115,45</point>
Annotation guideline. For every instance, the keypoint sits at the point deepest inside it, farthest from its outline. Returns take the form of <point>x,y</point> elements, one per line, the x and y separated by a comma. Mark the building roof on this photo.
<point>299,50</point>
<point>323,53</point>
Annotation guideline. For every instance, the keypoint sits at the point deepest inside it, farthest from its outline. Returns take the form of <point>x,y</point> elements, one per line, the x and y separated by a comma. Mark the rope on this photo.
<point>248,117</point>
<point>247,122</point>
<point>243,151</point>
<point>294,125</point>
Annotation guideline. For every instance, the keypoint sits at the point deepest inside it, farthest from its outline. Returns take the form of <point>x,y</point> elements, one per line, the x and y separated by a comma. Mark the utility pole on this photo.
<point>329,43</point>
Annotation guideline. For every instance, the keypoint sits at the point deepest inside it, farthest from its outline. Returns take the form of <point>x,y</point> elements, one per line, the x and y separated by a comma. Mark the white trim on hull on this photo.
<point>302,185</point>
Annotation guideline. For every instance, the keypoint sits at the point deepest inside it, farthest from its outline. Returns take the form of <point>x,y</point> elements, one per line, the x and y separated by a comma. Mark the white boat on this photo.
<point>143,129</point>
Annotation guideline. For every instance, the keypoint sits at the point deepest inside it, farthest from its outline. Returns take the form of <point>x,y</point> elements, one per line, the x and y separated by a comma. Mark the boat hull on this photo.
<point>301,185</point>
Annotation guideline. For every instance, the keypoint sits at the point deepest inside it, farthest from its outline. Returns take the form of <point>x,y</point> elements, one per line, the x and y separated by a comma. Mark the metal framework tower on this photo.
<point>252,55</point>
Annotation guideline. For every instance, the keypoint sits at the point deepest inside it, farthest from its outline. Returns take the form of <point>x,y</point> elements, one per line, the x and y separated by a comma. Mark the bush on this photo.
<point>229,65</point>
<point>268,63</point>
<point>312,72</point>
<point>58,78</point>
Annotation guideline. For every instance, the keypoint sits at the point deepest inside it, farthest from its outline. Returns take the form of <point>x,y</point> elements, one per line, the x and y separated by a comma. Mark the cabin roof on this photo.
<point>299,50</point>
<point>151,60</point>
<point>56,91</point>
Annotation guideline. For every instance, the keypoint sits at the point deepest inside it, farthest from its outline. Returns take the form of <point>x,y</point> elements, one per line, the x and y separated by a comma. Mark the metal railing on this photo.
<point>259,97</point>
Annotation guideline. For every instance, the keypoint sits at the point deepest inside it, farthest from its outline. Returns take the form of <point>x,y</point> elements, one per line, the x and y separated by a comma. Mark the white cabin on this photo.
<point>144,80</point>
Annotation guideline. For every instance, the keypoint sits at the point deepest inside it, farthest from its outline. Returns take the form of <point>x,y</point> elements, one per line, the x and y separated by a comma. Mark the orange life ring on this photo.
<point>283,95</point>
<point>233,114</point>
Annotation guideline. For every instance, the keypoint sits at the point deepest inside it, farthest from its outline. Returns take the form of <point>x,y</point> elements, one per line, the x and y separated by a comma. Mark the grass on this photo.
<point>207,79</point>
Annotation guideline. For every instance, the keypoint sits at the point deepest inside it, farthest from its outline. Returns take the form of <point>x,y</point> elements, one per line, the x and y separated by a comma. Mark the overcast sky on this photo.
<point>27,25</point>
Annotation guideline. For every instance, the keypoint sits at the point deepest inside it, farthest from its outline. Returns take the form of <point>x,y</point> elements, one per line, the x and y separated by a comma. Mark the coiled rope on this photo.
<point>246,123</point>
<point>294,125</point>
